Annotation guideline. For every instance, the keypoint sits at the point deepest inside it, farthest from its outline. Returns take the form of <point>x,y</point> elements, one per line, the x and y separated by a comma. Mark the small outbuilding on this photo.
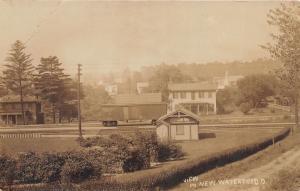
<point>178,125</point>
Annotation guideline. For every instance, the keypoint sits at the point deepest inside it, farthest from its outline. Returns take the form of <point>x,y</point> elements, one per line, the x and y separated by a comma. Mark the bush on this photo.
<point>7,170</point>
<point>51,165</point>
<point>77,168</point>
<point>169,151</point>
<point>29,168</point>
<point>135,162</point>
<point>245,107</point>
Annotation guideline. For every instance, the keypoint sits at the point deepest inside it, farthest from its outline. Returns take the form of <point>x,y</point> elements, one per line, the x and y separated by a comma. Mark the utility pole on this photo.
<point>78,98</point>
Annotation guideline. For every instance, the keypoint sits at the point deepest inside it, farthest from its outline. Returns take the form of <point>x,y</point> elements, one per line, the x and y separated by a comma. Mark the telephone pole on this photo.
<point>78,98</point>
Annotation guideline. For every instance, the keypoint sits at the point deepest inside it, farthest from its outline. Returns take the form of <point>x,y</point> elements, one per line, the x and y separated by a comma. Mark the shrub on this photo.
<point>245,107</point>
<point>147,143</point>
<point>7,170</point>
<point>29,168</point>
<point>51,165</point>
<point>169,151</point>
<point>135,162</point>
<point>77,168</point>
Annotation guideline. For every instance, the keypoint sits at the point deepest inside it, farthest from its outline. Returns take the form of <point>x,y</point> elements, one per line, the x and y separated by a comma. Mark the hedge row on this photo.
<point>176,174</point>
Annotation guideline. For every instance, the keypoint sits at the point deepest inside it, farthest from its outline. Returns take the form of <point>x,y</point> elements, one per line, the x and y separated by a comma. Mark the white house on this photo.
<point>178,125</point>
<point>199,98</point>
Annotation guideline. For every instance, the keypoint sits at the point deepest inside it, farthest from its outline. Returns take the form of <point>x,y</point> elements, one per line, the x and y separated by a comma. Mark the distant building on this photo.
<point>227,80</point>
<point>11,112</point>
<point>142,87</point>
<point>111,89</point>
<point>199,98</point>
<point>178,125</point>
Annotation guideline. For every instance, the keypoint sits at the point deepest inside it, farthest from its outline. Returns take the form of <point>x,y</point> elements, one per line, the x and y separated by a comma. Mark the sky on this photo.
<point>107,36</point>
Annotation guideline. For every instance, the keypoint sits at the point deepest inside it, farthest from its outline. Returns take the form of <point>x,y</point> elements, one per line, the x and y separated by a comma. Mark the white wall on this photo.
<point>188,99</point>
<point>190,132</point>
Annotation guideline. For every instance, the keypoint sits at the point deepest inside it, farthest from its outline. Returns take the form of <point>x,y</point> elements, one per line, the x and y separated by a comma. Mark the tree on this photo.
<point>94,97</point>
<point>163,75</point>
<point>18,74</point>
<point>226,100</point>
<point>286,47</point>
<point>51,83</point>
<point>254,89</point>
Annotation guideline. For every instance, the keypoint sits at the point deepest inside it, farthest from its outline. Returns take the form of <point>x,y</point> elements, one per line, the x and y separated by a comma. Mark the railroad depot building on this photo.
<point>178,125</point>
<point>11,112</point>
<point>199,98</point>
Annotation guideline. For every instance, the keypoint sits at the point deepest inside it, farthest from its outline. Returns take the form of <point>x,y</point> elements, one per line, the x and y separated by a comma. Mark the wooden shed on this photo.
<point>178,125</point>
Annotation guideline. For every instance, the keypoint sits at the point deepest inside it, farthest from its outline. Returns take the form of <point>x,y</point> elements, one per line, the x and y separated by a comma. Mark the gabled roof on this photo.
<point>196,86</point>
<point>181,112</point>
<point>138,98</point>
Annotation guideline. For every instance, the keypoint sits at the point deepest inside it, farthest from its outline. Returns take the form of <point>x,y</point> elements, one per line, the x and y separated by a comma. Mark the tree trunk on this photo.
<point>59,116</point>
<point>296,112</point>
<point>22,103</point>
<point>53,114</point>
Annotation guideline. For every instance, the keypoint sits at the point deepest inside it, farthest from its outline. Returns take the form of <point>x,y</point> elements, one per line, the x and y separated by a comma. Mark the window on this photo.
<point>182,95</point>
<point>193,95</point>
<point>201,94</point>
<point>175,95</point>
<point>179,130</point>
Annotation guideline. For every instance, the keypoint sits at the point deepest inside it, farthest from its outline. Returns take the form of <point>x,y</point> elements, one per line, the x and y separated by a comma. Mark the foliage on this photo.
<point>77,168</point>
<point>29,168</point>
<point>7,170</point>
<point>226,100</point>
<point>18,73</point>
<point>51,165</point>
<point>168,151</point>
<point>52,84</point>
<point>245,107</point>
<point>286,47</point>
<point>254,89</point>
<point>130,153</point>
<point>163,75</point>
<point>95,96</point>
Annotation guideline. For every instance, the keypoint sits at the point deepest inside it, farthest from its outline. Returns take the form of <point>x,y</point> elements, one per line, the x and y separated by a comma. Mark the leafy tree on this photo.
<point>226,100</point>
<point>286,47</point>
<point>91,103</point>
<point>52,84</point>
<point>165,74</point>
<point>18,74</point>
<point>254,89</point>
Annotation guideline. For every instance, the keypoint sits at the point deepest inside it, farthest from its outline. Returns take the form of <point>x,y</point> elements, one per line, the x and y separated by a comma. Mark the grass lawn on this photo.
<point>14,145</point>
<point>224,140</point>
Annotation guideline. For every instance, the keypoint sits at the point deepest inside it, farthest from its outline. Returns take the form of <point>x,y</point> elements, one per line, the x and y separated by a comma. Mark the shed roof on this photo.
<point>197,86</point>
<point>138,98</point>
<point>181,112</point>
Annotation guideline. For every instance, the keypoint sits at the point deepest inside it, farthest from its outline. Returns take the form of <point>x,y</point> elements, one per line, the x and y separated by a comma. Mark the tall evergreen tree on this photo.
<point>18,74</point>
<point>51,83</point>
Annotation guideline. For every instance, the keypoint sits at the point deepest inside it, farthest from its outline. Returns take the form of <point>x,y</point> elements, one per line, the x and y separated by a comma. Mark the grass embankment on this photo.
<point>284,180</point>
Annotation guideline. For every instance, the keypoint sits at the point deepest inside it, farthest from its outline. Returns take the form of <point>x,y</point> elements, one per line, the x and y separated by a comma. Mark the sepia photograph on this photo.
<point>149,95</point>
